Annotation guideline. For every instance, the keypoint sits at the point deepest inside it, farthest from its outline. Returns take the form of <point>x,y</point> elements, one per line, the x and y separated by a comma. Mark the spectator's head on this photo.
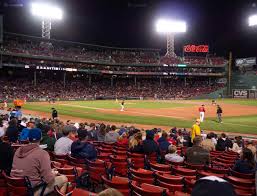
<point>68,130</point>
<point>149,135</point>
<point>35,135</point>
<point>172,149</point>
<point>198,121</point>
<point>110,192</point>
<point>82,134</point>
<point>68,122</point>
<point>197,141</point>
<point>209,136</point>
<point>248,156</point>
<point>113,127</point>
<point>212,186</point>
<point>138,136</point>
<point>212,135</point>
<point>165,135</point>
<point>13,122</point>
<point>31,124</point>
<point>223,135</point>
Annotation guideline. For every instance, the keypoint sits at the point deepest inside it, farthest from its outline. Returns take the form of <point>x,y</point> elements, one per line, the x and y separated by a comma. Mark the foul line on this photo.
<point>146,114</point>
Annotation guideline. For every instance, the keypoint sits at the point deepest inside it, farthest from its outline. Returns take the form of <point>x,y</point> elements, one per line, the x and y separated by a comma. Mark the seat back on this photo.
<point>146,189</point>
<point>168,178</point>
<point>119,183</point>
<point>80,192</point>
<point>160,167</point>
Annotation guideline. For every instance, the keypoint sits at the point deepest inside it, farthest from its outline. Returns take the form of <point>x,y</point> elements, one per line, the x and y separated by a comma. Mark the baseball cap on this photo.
<point>35,134</point>
<point>82,134</point>
<point>212,186</point>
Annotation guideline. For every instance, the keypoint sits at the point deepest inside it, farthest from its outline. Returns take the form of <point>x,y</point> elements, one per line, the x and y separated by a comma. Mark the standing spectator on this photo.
<point>208,144</point>
<point>32,161</point>
<point>54,113</point>
<point>63,145</point>
<point>246,164</point>
<point>172,155</point>
<point>196,130</point>
<point>223,143</point>
<point>163,142</point>
<point>18,113</point>
<point>82,149</point>
<point>135,143</point>
<point>25,132</point>
<point>149,145</point>
<point>6,153</point>
<point>112,136</point>
<point>197,155</point>
<point>12,131</point>
<point>219,113</point>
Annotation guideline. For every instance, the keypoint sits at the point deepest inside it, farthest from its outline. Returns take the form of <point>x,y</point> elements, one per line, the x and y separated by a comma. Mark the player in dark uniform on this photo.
<point>219,113</point>
<point>54,113</point>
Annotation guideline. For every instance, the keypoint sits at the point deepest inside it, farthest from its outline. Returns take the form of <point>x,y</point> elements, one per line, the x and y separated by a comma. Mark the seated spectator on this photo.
<point>12,131</point>
<point>32,161</point>
<point>163,142</point>
<point>23,124</point>
<point>82,149</point>
<point>250,146</point>
<point>112,136</point>
<point>92,134</point>
<point>73,134</point>
<point>172,155</point>
<point>122,130</point>
<point>135,143</point>
<point>101,132</point>
<point>46,139</point>
<point>208,143</point>
<point>123,139</point>
<point>63,145</point>
<point>237,145</point>
<point>149,145</point>
<point>197,155</point>
<point>6,153</point>
<point>25,132</point>
<point>246,164</point>
<point>223,143</point>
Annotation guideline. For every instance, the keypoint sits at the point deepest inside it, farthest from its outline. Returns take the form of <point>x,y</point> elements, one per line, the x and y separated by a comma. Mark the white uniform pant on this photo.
<point>201,116</point>
<point>122,108</point>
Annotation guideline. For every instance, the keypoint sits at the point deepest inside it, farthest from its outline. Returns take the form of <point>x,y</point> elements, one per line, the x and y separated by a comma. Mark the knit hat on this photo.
<point>212,186</point>
<point>35,134</point>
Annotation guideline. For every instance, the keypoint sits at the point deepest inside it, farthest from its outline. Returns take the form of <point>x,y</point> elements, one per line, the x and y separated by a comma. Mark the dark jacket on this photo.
<point>163,144</point>
<point>222,145</point>
<point>6,157</point>
<point>50,141</point>
<point>197,155</point>
<point>243,166</point>
<point>12,133</point>
<point>83,150</point>
<point>150,146</point>
<point>137,149</point>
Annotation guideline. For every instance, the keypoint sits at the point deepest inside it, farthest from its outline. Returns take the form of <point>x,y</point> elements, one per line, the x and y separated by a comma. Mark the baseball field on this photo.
<point>239,116</point>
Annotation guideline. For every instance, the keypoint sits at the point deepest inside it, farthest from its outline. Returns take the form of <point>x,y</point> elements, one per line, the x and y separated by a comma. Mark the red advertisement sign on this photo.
<point>195,48</point>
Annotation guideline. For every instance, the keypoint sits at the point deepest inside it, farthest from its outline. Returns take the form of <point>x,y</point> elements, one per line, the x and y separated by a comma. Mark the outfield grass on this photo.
<point>242,124</point>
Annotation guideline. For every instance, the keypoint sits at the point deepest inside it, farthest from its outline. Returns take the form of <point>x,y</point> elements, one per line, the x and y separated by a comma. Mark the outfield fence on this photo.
<point>244,93</point>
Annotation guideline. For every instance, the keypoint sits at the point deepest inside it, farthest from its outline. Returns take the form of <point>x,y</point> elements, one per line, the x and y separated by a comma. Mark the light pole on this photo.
<point>170,28</point>
<point>47,13</point>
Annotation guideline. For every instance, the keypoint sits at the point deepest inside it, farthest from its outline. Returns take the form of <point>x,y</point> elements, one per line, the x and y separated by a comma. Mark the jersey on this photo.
<point>201,109</point>
<point>196,131</point>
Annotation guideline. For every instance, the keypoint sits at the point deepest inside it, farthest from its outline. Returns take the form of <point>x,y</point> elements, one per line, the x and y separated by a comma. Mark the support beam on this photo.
<point>135,80</point>
<point>35,78</point>
<point>160,81</point>
<point>185,81</point>
<point>64,79</point>
<point>90,80</point>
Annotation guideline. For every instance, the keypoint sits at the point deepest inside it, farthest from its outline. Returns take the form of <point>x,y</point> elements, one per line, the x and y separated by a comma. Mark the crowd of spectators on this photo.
<point>10,88</point>
<point>62,138</point>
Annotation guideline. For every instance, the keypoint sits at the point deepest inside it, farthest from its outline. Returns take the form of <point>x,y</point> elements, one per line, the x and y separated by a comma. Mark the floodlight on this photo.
<point>252,20</point>
<point>170,26</point>
<point>46,11</point>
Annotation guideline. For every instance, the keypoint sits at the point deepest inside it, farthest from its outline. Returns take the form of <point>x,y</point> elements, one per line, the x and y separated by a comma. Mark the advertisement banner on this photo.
<point>240,93</point>
<point>246,62</point>
<point>196,48</point>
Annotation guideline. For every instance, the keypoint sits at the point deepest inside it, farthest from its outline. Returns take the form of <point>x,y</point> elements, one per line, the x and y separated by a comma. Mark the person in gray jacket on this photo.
<point>112,136</point>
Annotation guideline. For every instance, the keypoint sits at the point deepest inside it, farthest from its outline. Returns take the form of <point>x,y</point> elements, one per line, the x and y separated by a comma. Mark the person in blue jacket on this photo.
<point>25,132</point>
<point>82,149</point>
<point>163,142</point>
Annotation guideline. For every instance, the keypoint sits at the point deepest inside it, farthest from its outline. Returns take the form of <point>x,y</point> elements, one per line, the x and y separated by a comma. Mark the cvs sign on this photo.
<point>237,93</point>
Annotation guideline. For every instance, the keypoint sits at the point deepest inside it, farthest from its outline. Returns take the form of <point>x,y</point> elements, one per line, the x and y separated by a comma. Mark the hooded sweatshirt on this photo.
<point>32,161</point>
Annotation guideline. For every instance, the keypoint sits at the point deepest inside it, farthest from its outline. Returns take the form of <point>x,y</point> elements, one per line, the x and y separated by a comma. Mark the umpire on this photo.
<point>54,113</point>
<point>219,113</point>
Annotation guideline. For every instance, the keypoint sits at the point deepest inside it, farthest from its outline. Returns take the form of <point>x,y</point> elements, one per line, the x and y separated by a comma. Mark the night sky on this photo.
<point>222,24</point>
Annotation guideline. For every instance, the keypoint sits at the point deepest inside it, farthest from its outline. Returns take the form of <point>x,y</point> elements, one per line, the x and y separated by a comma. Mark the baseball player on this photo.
<point>122,105</point>
<point>202,112</point>
<point>5,105</point>
<point>219,113</point>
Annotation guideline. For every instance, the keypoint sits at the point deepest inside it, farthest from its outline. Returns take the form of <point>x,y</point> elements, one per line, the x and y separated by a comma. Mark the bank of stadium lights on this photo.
<point>170,28</point>
<point>47,13</point>
<point>252,20</point>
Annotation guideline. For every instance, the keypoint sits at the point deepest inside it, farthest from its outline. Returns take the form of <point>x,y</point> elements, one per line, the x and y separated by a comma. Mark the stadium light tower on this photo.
<point>170,28</point>
<point>47,13</point>
<point>252,20</point>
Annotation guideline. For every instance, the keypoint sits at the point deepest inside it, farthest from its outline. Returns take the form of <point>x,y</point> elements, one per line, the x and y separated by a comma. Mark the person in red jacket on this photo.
<point>202,112</point>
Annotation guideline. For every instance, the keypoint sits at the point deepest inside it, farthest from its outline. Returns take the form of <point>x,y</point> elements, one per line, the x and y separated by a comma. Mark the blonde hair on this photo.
<point>135,140</point>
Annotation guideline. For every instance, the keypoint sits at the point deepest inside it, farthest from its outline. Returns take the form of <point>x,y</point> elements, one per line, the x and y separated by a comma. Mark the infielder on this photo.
<point>202,112</point>
<point>122,105</point>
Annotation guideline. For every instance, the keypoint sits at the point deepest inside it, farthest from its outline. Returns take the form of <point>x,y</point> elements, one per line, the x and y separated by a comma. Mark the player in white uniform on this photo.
<point>5,105</point>
<point>122,106</point>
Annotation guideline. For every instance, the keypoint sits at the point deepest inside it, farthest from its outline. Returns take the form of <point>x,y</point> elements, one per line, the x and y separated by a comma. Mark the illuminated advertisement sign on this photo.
<point>196,48</point>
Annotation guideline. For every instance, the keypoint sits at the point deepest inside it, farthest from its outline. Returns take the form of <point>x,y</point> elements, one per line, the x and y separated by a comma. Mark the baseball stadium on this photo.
<point>143,117</point>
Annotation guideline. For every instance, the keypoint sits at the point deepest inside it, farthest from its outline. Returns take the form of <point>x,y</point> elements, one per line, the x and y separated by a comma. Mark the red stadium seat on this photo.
<point>147,189</point>
<point>187,173</point>
<point>119,183</point>
<point>3,185</point>
<point>160,167</point>
<point>192,166</point>
<point>82,192</point>
<point>241,175</point>
<point>206,173</point>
